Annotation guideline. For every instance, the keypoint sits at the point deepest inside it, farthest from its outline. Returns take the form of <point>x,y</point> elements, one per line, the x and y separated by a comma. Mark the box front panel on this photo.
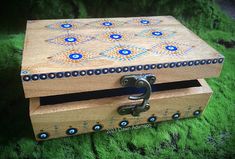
<point>84,116</point>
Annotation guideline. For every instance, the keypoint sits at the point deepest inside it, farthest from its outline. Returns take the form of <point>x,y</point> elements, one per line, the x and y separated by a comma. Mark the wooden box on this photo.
<point>79,73</point>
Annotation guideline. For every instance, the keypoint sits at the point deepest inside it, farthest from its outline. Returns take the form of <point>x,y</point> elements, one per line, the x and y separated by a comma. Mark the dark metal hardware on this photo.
<point>138,81</point>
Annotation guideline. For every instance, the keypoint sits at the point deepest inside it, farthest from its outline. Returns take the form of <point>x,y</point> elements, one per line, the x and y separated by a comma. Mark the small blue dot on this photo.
<point>97,127</point>
<point>75,56</point>
<point>125,52</point>
<point>98,71</point>
<point>75,73</point>
<point>90,72</point>
<point>71,131</point>
<point>115,36</point>
<point>123,123</point>
<point>159,66</point>
<point>203,62</point>
<point>105,71</point>
<point>171,48</point>
<point>157,33</point>
<point>66,25</point>
<point>43,135</point>
<point>144,21</point>
<point>70,39</point>
<point>43,76</point>
<point>107,23</point>
<point>51,75</point>
<point>152,119</point>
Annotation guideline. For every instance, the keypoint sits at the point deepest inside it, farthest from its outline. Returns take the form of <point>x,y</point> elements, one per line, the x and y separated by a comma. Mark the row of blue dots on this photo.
<point>107,23</point>
<point>124,123</point>
<point>120,69</point>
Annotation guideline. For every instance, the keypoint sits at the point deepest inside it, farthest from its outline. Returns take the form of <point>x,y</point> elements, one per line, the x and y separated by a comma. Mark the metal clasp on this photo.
<point>138,81</point>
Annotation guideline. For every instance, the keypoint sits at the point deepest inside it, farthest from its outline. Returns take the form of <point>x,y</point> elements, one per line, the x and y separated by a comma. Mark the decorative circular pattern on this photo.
<point>26,78</point>
<point>43,135</point>
<point>51,75</point>
<point>159,66</point>
<point>71,131</point>
<point>152,119</point>
<point>97,127</point>
<point>107,24</point>
<point>59,74</point>
<point>176,116</point>
<point>98,71</point>
<point>35,77</point>
<point>66,25</point>
<point>157,33</point>
<point>67,74</point>
<point>124,52</point>
<point>146,67</point>
<point>90,72</point>
<point>83,73</point>
<point>171,48</point>
<point>111,70</point>
<point>105,70</point>
<point>139,67</point>
<point>43,76</point>
<point>70,39</point>
<point>144,21</point>
<point>115,36</point>
<point>75,73</point>
<point>75,56</point>
<point>197,113</point>
<point>123,123</point>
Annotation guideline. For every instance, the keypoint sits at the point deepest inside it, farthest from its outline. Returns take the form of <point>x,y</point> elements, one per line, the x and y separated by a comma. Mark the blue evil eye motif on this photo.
<point>26,78</point>
<point>123,123</point>
<point>43,135</point>
<point>75,56</point>
<point>70,39</point>
<point>115,36</point>
<point>125,52</point>
<point>176,116</point>
<point>144,21</point>
<point>71,131</point>
<point>157,33</point>
<point>107,23</point>
<point>66,25</point>
<point>197,113</point>
<point>171,48</point>
<point>152,119</point>
<point>97,127</point>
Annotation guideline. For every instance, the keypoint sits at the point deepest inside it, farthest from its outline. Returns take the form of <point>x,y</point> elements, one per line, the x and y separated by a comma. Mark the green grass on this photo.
<point>210,136</point>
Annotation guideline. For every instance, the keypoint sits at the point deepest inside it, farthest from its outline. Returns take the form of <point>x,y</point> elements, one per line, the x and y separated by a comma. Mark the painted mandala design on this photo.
<point>72,57</point>
<point>172,49</point>
<point>64,25</point>
<point>145,21</point>
<point>156,33</point>
<point>105,24</point>
<point>69,39</point>
<point>114,36</point>
<point>124,52</point>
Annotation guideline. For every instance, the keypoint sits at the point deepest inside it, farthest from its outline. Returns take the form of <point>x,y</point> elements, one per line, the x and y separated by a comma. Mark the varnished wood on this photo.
<point>42,56</point>
<point>56,119</point>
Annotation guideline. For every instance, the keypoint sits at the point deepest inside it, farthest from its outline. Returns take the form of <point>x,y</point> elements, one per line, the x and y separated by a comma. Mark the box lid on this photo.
<point>78,55</point>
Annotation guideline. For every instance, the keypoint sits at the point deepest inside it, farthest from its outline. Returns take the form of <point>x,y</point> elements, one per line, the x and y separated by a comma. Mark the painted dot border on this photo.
<point>90,72</point>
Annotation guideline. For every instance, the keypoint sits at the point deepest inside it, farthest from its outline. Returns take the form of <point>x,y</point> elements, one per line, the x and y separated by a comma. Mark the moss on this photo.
<point>209,136</point>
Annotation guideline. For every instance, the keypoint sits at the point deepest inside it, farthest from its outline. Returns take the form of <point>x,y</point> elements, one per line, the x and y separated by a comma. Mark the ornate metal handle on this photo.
<point>137,81</point>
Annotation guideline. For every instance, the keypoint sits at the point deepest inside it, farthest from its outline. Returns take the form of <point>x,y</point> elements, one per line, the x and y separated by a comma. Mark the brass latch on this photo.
<point>138,81</point>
